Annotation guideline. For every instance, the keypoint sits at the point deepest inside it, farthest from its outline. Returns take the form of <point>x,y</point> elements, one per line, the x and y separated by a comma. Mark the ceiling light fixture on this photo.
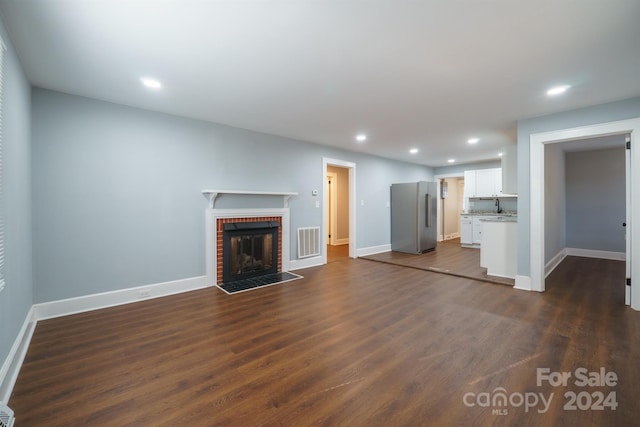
<point>361,137</point>
<point>414,151</point>
<point>451,160</point>
<point>557,90</point>
<point>500,154</point>
<point>151,83</point>
<point>473,140</point>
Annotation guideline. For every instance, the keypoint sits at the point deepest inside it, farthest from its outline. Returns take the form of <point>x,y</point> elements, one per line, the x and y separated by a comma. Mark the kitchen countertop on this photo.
<point>491,213</point>
<point>501,219</point>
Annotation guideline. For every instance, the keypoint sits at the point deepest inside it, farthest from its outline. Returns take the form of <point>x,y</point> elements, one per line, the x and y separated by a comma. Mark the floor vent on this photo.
<point>308,242</point>
<point>6,416</point>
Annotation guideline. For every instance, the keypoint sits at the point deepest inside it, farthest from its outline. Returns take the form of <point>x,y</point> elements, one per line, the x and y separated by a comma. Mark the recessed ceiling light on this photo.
<point>413,151</point>
<point>473,140</point>
<point>557,90</point>
<point>361,137</point>
<point>451,160</point>
<point>500,154</point>
<point>151,83</point>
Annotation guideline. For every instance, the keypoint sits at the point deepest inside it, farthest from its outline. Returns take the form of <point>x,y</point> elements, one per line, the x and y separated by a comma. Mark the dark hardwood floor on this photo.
<point>448,258</point>
<point>337,253</point>
<point>354,343</point>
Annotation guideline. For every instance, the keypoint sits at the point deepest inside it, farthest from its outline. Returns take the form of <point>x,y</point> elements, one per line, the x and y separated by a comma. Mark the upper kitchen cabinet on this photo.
<point>510,169</point>
<point>483,183</point>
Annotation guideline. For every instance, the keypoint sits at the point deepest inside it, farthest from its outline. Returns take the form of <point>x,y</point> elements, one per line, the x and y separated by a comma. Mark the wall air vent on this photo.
<point>6,416</point>
<point>308,242</point>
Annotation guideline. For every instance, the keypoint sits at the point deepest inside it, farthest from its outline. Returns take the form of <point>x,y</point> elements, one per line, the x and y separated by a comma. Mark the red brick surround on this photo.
<point>219,230</point>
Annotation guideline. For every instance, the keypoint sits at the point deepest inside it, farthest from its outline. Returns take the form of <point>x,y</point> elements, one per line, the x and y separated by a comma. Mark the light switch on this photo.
<point>362,202</point>
<point>317,203</point>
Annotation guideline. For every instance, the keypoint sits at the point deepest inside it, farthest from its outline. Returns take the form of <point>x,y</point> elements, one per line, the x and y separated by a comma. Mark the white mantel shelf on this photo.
<point>211,195</point>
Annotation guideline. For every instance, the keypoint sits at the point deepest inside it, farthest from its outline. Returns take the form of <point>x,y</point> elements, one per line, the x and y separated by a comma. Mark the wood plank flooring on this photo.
<point>448,258</point>
<point>354,343</point>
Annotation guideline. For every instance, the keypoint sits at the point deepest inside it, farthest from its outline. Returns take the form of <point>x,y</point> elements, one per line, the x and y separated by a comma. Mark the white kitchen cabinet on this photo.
<point>477,230</point>
<point>483,183</point>
<point>466,230</point>
<point>469,184</point>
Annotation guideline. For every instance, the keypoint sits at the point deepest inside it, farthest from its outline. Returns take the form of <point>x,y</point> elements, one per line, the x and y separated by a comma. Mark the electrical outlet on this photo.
<point>145,293</point>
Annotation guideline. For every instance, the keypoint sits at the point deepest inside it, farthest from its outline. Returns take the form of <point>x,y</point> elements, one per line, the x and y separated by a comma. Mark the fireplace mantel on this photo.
<point>211,195</point>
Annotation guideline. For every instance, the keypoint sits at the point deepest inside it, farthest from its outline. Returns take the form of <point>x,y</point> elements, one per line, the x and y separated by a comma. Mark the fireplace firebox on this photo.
<point>250,249</point>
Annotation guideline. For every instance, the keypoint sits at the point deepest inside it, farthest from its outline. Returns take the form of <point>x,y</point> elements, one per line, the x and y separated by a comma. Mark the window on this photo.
<point>2,204</point>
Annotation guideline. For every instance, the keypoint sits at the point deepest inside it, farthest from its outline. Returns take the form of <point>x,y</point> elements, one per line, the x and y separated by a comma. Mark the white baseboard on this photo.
<point>48,310</point>
<point>12,364</point>
<point>298,264</point>
<point>523,283</point>
<point>371,250</point>
<point>590,253</point>
<point>554,262</point>
<point>342,241</point>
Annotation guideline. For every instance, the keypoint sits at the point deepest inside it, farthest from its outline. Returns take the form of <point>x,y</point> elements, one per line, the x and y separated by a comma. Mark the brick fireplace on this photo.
<point>216,219</point>
<point>222,273</point>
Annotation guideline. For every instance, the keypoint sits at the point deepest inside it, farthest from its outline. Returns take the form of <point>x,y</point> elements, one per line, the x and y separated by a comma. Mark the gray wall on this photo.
<point>117,199</point>
<point>16,299</point>
<point>554,206</point>
<point>596,201</point>
<point>620,110</point>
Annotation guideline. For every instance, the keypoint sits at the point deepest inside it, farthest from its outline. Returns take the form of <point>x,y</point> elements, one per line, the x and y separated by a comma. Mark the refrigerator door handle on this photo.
<point>428,211</point>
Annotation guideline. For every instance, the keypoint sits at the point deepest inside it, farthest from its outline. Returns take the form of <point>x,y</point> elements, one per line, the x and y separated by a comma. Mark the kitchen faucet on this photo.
<point>498,205</point>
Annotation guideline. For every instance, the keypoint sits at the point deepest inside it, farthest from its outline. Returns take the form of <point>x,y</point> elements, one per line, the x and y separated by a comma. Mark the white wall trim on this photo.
<point>523,283</point>
<point>12,364</point>
<point>591,253</point>
<point>554,262</point>
<point>297,264</point>
<point>372,250</point>
<point>340,242</point>
<point>64,307</point>
<point>536,196</point>
<point>211,215</point>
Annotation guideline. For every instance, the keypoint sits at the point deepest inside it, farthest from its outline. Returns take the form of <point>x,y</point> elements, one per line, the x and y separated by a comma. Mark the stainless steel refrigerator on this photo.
<point>413,217</point>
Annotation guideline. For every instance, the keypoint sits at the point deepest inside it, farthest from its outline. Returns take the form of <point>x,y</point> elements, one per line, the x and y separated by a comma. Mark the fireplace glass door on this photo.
<point>249,249</point>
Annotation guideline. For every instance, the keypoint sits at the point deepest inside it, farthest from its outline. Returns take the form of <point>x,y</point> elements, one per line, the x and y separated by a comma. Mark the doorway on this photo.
<point>537,206</point>
<point>451,197</point>
<point>339,209</point>
<point>337,225</point>
<point>585,211</point>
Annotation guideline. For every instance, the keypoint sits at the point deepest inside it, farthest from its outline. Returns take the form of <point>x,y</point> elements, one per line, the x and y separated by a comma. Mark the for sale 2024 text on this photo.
<point>582,377</point>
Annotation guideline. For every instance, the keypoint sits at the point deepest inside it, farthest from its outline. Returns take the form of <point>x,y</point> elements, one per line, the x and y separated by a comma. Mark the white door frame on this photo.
<point>536,195</point>
<point>627,219</point>
<point>352,205</point>
<point>331,207</point>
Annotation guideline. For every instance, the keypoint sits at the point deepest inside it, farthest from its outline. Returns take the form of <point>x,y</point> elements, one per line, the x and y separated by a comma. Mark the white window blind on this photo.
<point>2,202</point>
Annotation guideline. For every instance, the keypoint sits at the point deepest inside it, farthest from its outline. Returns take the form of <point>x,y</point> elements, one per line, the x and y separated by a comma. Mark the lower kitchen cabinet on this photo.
<point>466,230</point>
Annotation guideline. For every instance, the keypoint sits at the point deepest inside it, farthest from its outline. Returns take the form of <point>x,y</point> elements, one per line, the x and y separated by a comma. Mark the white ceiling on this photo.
<point>426,74</point>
